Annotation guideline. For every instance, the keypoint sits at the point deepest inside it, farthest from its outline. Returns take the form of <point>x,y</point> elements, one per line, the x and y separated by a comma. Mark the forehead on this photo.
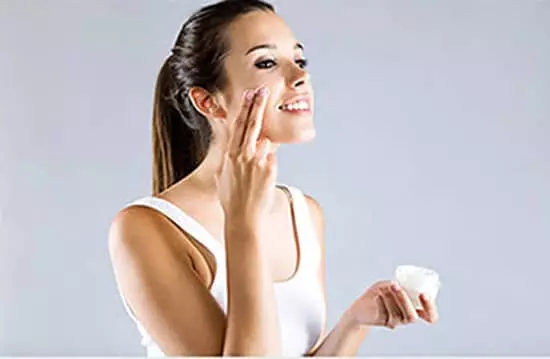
<point>259,27</point>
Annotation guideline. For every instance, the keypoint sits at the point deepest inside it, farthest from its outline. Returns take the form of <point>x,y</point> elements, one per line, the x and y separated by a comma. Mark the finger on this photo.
<point>402,299</point>
<point>397,311</point>
<point>429,312</point>
<point>395,316</point>
<point>388,319</point>
<point>239,124</point>
<point>271,163</point>
<point>381,284</point>
<point>262,150</point>
<point>383,313</point>
<point>254,125</point>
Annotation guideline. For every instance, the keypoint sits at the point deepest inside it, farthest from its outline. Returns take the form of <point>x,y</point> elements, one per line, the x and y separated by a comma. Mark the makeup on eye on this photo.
<point>265,64</point>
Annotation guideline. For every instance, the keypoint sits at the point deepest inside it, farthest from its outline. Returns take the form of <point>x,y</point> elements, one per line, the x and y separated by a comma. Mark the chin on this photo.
<point>289,129</point>
<point>292,136</point>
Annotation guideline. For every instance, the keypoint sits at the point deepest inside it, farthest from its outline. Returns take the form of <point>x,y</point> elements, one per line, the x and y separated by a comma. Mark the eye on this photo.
<point>265,64</point>
<point>302,63</point>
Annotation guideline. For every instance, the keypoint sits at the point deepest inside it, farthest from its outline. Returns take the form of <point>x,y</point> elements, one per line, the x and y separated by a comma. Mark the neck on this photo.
<point>203,177</point>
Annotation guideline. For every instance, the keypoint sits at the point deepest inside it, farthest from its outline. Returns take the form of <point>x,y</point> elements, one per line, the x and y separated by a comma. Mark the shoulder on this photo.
<point>131,224</point>
<point>137,231</point>
<point>316,214</point>
<point>131,216</point>
<point>134,232</point>
<point>315,209</point>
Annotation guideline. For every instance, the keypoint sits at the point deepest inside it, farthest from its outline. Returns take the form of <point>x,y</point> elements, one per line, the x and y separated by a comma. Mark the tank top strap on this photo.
<point>184,221</point>
<point>310,252</point>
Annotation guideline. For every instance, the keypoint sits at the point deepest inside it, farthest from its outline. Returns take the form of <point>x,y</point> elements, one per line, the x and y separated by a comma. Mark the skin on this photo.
<point>158,267</point>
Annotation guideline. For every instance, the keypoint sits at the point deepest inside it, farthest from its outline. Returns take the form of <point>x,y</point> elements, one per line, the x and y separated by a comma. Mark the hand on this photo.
<point>386,304</point>
<point>246,181</point>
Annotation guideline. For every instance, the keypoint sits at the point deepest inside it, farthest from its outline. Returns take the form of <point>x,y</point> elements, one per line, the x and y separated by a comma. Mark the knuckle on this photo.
<point>247,101</point>
<point>384,283</point>
<point>255,162</point>
<point>254,122</point>
<point>257,157</point>
<point>247,158</point>
<point>270,169</point>
<point>253,117</point>
<point>239,158</point>
<point>231,155</point>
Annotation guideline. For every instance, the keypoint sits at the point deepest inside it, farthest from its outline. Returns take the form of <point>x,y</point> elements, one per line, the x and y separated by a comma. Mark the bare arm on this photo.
<point>172,300</point>
<point>384,304</point>
<point>252,326</point>
<point>246,186</point>
<point>344,339</point>
<point>169,298</point>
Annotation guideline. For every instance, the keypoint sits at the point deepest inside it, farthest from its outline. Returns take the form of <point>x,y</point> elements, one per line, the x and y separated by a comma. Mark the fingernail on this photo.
<point>395,287</point>
<point>263,91</point>
<point>248,95</point>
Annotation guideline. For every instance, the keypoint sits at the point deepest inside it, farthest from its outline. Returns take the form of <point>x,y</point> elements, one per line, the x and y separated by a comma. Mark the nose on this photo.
<point>298,77</point>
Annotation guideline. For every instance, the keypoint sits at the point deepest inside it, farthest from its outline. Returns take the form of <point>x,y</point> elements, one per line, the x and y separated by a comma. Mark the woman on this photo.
<point>221,260</point>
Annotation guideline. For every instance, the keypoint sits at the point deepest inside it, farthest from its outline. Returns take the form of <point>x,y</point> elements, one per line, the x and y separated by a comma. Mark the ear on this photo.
<point>205,103</point>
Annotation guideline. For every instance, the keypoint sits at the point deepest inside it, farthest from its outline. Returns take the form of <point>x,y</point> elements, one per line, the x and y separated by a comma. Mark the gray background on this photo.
<point>433,148</point>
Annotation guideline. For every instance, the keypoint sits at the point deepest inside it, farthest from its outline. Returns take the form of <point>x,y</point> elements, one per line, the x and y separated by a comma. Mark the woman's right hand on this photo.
<point>246,180</point>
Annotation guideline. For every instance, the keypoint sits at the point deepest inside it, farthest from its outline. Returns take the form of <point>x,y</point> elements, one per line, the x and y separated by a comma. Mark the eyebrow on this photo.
<point>272,47</point>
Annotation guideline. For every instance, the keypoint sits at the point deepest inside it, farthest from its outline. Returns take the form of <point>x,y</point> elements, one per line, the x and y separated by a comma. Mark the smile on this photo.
<point>296,105</point>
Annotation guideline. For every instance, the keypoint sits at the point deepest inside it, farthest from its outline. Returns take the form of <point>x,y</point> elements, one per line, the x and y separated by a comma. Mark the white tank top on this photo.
<point>300,301</point>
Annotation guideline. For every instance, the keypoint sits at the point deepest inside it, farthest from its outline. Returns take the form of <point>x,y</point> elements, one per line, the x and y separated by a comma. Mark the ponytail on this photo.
<point>181,136</point>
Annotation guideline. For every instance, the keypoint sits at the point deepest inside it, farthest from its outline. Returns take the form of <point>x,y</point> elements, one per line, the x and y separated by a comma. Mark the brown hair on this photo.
<point>181,135</point>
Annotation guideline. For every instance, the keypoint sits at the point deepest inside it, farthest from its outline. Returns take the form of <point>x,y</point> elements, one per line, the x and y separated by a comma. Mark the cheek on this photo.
<point>270,121</point>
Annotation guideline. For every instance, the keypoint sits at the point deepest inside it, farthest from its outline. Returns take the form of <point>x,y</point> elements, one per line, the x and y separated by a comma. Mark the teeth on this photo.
<point>296,106</point>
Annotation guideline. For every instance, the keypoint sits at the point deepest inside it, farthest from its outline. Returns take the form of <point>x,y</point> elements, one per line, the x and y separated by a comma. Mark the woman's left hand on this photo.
<point>429,310</point>
<point>386,304</point>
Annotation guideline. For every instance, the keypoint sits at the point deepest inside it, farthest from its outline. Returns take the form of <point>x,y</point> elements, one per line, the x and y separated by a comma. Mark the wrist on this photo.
<point>237,222</point>
<point>350,322</point>
<point>244,230</point>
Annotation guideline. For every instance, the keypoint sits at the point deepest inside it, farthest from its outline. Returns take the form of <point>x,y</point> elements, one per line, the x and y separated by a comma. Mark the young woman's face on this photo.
<point>264,51</point>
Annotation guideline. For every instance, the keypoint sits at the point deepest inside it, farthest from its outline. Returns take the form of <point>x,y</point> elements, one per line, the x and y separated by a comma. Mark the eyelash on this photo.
<point>262,65</point>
